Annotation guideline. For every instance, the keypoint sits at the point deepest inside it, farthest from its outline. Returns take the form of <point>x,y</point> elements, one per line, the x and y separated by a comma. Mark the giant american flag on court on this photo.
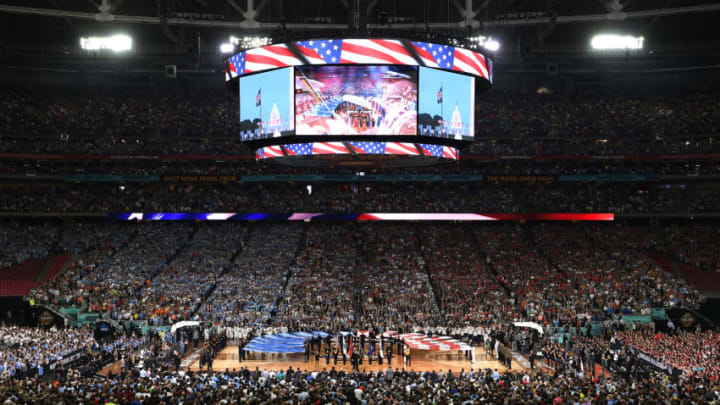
<point>359,51</point>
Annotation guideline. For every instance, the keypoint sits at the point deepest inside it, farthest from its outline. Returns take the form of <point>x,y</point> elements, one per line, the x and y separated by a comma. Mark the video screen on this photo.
<point>266,108</point>
<point>356,100</point>
<point>447,104</point>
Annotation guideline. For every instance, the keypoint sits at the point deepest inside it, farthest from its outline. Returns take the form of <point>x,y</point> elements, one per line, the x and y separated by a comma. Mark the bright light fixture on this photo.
<point>227,48</point>
<point>486,42</point>
<point>612,41</point>
<point>250,42</point>
<point>492,45</point>
<point>115,43</point>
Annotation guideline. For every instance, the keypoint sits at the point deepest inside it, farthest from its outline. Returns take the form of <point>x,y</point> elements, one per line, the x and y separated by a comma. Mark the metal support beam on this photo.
<point>468,13</point>
<point>370,6</point>
<point>67,20</point>
<point>115,5</point>
<point>667,4</point>
<point>235,6</point>
<point>439,25</point>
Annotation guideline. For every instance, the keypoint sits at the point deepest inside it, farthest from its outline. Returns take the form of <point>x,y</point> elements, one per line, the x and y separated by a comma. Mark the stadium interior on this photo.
<point>359,202</point>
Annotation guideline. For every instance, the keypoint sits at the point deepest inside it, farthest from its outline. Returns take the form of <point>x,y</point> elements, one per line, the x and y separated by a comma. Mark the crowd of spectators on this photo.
<point>537,295</point>
<point>20,242</point>
<point>179,168</point>
<point>385,276</point>
<point>688,246</point>
<point>396,292</point>
<point>180,286</point>
<point>110,280</point>
<point>585,124</point>
<point>467,291</point>
<point>320,291</point>
<point>246,295</point>
<point>615,197</point>
<point>611,275</point>
<point>693,352</point>
<point>29,352</point>
<point>291,385</point>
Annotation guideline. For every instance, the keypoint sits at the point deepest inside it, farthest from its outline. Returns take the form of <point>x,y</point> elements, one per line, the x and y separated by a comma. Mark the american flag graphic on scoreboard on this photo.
<point>401,148</point>
<point>450,153</point>
<point>431,150</point>
<point>470,62</point>
<point>299,149</point>
<point>359,51</point>
<point>321,52</point>
<point>348,51</point>
<point>329,148</point>
<point>369,148</point>
<point>235,62</point>
<point>273,151</point>
<point>435,55</point>
<point>268,57</point>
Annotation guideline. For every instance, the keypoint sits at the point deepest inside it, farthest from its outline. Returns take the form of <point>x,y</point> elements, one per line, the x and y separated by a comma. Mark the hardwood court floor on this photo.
<point>421,361</point>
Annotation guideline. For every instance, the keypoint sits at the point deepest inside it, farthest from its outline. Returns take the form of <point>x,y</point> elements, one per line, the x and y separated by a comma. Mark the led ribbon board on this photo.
<point>377,216</point>
<point>405,149</point>
<point>359,52</point>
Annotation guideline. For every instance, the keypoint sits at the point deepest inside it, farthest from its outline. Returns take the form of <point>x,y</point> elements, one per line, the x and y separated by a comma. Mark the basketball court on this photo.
<point>421,360</point>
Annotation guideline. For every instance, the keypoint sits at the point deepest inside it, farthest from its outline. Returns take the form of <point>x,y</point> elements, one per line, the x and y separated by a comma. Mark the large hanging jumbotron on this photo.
<point>358,102</point>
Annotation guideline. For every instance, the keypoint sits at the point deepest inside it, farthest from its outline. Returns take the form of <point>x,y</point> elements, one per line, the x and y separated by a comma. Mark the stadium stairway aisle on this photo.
<point>702,280</point>
<point>431,285</point>
<point>482,249</point>
<point>52,268</point>
<point>666,262</point>
<point>27,270</point>
<point>208,294</point>
<point>20,278</point>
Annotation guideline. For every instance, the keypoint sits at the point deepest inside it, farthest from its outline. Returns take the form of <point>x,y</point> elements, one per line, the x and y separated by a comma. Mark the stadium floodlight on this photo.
<point>227,48</point>
<point>250,42</point>
<point>613,41</point>
<point>492,45</point>
<point>485,42</point>
<point>115,43</point>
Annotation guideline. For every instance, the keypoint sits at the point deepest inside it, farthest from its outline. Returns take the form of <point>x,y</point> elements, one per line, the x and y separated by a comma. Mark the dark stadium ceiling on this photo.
<point>527,22</point>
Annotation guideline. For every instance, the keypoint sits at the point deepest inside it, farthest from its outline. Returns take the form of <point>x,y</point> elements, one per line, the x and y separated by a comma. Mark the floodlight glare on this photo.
<point>485,42</point>
<point>227,48</point>
<point>492,45</point>
<point>250,42</point>
<point>611,41</point>
<point>115,43</point>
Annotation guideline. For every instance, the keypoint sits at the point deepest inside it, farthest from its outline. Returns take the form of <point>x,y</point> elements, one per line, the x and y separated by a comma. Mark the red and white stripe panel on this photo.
<point>450,153</point>
<point>231,71</point>
<point>329,148</point>
<point>269,57</point>
<point>379,51</point>
<point>272,151</point>
<point>440,343</point>
<point>401,148</point>
<point>470,62</point>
